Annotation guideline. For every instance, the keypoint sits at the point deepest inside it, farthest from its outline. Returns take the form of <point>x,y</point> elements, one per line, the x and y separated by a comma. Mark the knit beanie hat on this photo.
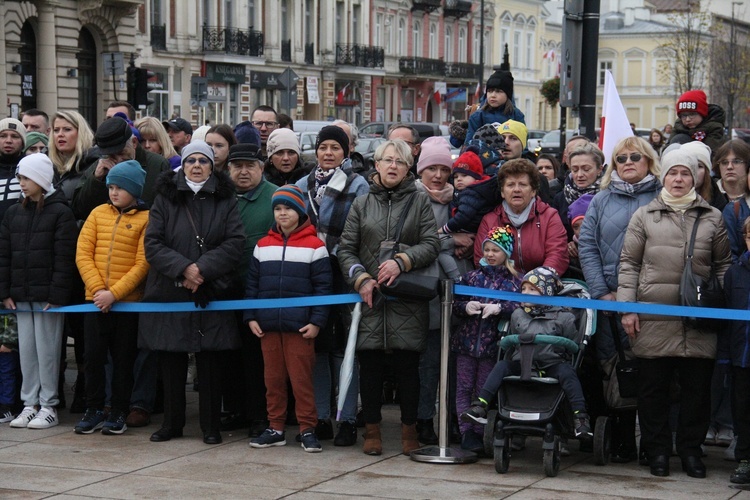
<point>458,129</point>
<point>679,157</point>
<point>469,164</point>
<point>200,133</point>
<point>700,150</point>
<point>333,133</point>
<point>577,209</point>
<point>198,147</point>
<point>516,128</point>
<point>502,237</point>
<point>34,137</point>
<point>129,176</point>
<point>693,100</point>
<point>502,80</point>
<point>490,135</point>
<point>247,134</point>
<point>281,139</point>
<point>488,155</point>
<point>133,128</point>
<point>545,280</point>
<point>14,125</point>
<point>292,197</point>
<point>37,167</point>
<point>435,151</point>
<point>112,136</point>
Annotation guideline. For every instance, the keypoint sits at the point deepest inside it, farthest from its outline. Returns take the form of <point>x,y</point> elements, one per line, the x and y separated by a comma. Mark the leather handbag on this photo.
<point>624,377</point>
<point>697,292</point>
<point>417,284</point>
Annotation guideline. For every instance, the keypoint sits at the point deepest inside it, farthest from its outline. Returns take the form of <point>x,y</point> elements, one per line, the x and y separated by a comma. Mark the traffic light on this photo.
<point>131,85</point>
<point>142,87</point>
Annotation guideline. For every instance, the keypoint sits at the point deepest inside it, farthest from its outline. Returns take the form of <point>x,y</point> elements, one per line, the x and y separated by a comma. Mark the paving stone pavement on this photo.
<point>57,463</point>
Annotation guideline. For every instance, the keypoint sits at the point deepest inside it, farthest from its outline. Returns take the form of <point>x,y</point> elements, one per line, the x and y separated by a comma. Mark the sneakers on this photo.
<point>724,437</point>
<point>582,426</point>
<point>729,451</point>
<point>115,424</point>
<point>5,414</point>
<point>710,437</point>
<point>269,438</point>
<point>23,418</point>
<point>310,442</point>
<point>91,421</point>
<point>477,413</point>
<point>46,418</point>
<point>346,436</point>
<point>741,474</point>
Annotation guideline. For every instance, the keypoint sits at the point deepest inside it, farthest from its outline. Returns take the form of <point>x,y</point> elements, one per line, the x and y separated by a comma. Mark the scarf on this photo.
<point>321,181</point>
<point>195,186</point>
<point>573,192</point>
<point>518,220</point>
<point>442,196</point>
<point>628,187</point>
<point>681,203</point>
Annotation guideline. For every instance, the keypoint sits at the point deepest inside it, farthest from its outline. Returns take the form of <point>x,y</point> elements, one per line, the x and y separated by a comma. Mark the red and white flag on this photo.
<point>478,92</point>
<point>550,54</point>
<point>341,96</point>
<point>441,88</point>
<point>615,125</point>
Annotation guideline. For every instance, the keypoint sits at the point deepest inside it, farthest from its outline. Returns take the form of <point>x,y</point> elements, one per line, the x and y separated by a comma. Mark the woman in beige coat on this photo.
<point>651,265</point>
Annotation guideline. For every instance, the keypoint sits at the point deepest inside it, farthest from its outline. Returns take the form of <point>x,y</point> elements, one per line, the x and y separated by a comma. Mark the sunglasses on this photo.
<point>634,157</point>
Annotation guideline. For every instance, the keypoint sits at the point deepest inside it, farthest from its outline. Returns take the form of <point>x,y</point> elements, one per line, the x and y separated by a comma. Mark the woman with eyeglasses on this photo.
<point>390,331</point>
<point>329,193</point>
<point>630,182</point>
<point>654,253</point>
<point>731,163</point>
<point>194,240</point>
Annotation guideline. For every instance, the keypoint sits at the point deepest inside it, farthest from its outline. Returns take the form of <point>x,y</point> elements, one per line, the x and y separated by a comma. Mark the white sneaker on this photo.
<point>46,418</point>
<point>729,452</point>
<point>5,414</point>
<point>724,437</point>
<point>23,418</point>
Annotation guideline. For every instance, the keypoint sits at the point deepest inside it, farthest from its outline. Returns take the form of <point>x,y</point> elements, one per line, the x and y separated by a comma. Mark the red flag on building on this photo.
<point>341,96</point>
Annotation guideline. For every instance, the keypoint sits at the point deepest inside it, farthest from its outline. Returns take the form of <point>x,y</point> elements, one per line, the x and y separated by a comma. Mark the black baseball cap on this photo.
<point>178,124</point>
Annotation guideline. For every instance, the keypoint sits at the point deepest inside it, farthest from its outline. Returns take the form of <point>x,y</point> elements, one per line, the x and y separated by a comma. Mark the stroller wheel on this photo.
<point>502,456</point>
<point>602,440</point>
<point>552,459</point>
<point>488,438</point>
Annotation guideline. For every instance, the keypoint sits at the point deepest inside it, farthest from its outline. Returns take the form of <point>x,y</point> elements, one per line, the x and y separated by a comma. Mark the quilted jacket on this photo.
<point>603,231</point>
<point>470,205</point>
<point>734,214</point>
<point>110,253</point>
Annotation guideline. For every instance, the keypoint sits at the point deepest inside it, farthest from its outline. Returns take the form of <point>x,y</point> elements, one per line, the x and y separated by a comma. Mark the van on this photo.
<point>309,125</point>
<point>380,129</point>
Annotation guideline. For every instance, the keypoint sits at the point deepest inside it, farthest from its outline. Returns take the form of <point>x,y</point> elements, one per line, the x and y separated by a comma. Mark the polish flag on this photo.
<point>440,89</point>
<point>478,92</point>
<point>550,54</point>
<point>615,125</point>
<point>341,96</point>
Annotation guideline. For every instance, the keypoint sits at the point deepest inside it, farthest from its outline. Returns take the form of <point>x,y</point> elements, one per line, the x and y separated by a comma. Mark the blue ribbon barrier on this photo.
<point>607,305</point>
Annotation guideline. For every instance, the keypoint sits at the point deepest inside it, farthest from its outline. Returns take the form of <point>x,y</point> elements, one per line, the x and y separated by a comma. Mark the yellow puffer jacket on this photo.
<point>110,253</point>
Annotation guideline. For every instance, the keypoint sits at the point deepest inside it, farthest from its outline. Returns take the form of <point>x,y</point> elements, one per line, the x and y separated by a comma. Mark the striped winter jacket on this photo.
<point>285,267</point>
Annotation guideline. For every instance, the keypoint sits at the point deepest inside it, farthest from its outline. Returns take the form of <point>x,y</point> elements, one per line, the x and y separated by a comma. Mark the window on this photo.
<point>475,47</point>
<point>251,13</point>
<point>603,67</point>
<point>340,29</point>
<point>504,39</point>
<point>529,50</point>
<point>309,26</point>
<point>462,44</point>
<point>228,14</point>
<point>448,44</point>
<point>417,39</point>
<point>156,13</point>
<point>377,38</point>
<point>284,17</point>
<point>517,49</point>
<point>433,41</point>
<point>389,35</point>
<point>487,46</point>
<point>356,14</point>
<point>401,39</point>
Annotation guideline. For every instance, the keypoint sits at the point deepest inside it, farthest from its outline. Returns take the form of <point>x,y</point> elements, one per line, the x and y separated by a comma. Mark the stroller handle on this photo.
<point>566,343</point>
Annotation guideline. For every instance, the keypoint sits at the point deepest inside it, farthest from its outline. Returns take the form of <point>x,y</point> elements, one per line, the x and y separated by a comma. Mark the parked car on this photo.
<point>534,138</point>
<point>550,143</point>
<point>380,129</point>
<point>309,125</point>
<point>307,145</point>
<point>741,133</point>
<point>366,147</point>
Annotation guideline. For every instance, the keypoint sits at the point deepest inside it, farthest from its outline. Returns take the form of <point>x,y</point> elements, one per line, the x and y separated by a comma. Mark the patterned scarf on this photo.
<point>629,188</point>
<point>573,192</point>
<point>321,180</point>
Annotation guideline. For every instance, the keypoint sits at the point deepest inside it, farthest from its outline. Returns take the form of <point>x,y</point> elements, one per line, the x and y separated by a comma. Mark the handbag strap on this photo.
<point>404,213</point>
<point>692,236</point>
<point>198,238</point>
<point>616,337</point>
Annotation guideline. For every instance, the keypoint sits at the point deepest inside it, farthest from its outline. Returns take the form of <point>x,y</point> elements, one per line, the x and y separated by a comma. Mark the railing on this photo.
<point>351,54</point>
<point>461,70</point>
<point>233,41</point>
<point>159,36</point>
<point>286,50</point>
<point>461,9</point>
<point>421,66</point>
<point>426,5</point>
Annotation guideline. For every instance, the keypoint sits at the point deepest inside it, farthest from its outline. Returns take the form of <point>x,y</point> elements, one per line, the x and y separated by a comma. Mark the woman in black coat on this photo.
<point>191,200</point>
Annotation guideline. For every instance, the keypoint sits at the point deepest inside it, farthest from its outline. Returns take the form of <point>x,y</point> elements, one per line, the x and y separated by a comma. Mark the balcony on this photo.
<point>457,9</point>
<point>350,54</point>
<point>465,71</point>
<point>159,37</point>
<point>233,41</point>
<point>425,5</point>
<point>421,66</point>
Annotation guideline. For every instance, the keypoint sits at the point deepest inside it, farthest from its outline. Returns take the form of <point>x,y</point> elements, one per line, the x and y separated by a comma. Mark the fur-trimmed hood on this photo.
<point>170,184</point>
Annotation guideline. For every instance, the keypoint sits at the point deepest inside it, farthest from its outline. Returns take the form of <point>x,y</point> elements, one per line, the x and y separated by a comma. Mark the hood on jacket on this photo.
<point>169,185</point>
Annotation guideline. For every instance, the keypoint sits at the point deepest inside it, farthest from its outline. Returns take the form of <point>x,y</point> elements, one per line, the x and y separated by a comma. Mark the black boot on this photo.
<point>79,395</point>
<point>426,431</point>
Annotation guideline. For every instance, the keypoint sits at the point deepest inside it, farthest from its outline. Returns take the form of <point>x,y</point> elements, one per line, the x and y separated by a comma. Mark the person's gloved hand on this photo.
<point>490,310</point>
<point>200,297</point>
<point>473,308</point>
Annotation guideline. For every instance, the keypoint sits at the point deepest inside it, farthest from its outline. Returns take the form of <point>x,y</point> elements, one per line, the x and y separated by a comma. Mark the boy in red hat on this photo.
<point>698,121</point>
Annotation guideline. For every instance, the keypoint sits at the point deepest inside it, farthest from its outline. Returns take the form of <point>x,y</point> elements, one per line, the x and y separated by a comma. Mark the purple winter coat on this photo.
<point>475,336</point>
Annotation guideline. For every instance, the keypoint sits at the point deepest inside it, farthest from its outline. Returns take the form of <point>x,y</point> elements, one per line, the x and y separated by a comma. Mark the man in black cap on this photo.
<point>180,132</point>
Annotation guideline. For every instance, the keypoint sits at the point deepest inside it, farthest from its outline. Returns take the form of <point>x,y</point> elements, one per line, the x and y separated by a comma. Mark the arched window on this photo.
<point>448,44</point>
<point>462,45</point>
<point>433,41</point>
<point>417,39</point>
<point>27,51</point>
<point>401,38</point>
<point>87,91</point>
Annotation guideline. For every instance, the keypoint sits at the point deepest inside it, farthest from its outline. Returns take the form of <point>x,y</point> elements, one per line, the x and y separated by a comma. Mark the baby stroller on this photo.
<point>533,405</point>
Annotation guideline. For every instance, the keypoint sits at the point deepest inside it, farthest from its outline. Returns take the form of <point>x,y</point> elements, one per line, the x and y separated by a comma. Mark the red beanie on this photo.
<point>693,100</point>
<point>470,164</point>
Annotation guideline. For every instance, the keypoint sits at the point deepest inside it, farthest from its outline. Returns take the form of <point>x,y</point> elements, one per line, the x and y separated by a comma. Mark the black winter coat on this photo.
<point>37,252</point>
<point>734,342</point>
<point>171,246</point>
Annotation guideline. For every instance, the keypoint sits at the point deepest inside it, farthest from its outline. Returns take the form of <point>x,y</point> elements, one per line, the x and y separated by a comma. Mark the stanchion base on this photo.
<point>438,455</point>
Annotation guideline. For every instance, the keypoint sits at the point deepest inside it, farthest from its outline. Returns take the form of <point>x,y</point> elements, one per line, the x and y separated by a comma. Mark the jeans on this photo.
<point>325,374</point>
<point>145,371</point>
<point>429,376</point>
<point>8,377</point>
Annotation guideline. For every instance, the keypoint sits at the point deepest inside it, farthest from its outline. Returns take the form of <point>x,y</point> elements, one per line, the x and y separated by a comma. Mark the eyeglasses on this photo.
<point>684,116</point>
<point>390,161</point>
<point>634,157</point>
<point>265,124</point>
<point>202,161</point>
<point>735,162</point>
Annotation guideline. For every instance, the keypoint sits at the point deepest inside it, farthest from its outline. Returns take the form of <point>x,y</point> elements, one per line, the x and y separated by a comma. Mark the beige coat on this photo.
<point>651,265</point>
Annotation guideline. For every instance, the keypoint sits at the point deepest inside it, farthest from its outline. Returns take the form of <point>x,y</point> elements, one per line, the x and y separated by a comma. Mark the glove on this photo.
<point>490,310</point>
<point>200,297</point>
<point>473,308</point>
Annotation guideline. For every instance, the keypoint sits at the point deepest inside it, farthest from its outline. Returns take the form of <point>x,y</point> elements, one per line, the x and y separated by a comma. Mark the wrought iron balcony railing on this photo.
<point>351,54</point>
<point>309,53</point>
<point>421,66</point>
<point>457,9</point>
<point>159,36</point>
<point>426,5</point>
<point>286,50</point>
<point>233,41</point>
<point>461,70</point>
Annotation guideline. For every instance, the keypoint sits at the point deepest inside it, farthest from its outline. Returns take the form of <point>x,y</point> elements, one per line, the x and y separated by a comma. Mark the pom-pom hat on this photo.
<point>502,237</point>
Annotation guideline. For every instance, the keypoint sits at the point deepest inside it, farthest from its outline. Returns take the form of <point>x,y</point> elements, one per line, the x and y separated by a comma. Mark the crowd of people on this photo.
<point>142,210</point>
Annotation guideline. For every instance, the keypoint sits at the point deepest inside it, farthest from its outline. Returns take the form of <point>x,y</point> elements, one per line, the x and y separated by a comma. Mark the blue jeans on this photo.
<point>429,376</point>
<point>144,380</point>
<point>9,377</point>
<point>325,374</point>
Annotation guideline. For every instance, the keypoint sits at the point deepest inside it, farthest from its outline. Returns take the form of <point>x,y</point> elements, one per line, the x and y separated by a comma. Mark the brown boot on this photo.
<point>373,444</point>
<point>409,440</point>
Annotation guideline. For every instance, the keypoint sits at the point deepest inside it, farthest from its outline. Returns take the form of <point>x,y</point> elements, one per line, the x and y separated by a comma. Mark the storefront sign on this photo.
<point>265,80</point>
<point>224,72</point>
<point>312,90</point>
<point>27,86</point>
